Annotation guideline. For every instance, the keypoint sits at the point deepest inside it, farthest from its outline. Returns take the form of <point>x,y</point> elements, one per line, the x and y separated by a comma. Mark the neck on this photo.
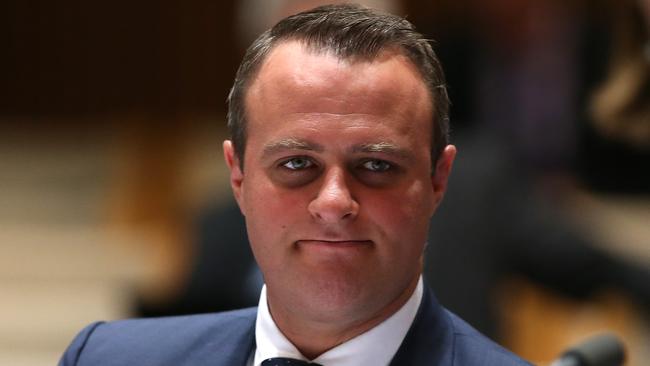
<point>313,338</point>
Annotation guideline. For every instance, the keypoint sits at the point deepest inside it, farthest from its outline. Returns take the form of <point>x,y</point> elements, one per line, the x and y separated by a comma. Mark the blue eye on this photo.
<point>377,165</point>
<point>298,163</point>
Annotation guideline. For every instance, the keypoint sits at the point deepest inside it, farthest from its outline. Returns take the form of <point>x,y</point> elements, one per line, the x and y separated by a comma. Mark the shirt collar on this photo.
<point>377,346</point>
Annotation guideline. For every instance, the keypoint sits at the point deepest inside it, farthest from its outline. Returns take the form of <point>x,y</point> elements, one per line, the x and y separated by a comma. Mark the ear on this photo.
<point>441,174</point>
<point>236,173</point>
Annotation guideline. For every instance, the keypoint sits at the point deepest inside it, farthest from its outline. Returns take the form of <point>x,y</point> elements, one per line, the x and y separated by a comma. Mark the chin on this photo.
<point>340,298</point>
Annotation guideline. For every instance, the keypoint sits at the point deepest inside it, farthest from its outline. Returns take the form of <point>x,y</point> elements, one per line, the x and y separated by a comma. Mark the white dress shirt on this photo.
<point>375,347</point>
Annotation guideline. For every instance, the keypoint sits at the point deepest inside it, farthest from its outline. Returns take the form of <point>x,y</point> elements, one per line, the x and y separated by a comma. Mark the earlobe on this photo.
<point>236,173</point>
<point>441,175</point>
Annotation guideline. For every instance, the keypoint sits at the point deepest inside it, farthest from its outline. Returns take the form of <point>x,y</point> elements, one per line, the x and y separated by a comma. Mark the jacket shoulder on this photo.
<point>473,348</point>
<point>179,340</point>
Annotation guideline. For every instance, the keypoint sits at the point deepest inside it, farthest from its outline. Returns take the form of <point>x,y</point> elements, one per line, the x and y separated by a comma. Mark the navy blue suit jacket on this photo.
<point>437,337</point>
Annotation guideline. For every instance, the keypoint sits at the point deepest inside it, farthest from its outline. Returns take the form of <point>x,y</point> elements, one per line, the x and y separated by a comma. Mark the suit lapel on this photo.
<point>233,346</point>
<point>429,341</point>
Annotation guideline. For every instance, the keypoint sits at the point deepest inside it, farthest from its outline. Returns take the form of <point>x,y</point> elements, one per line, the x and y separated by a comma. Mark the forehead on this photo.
<point>297,78</point>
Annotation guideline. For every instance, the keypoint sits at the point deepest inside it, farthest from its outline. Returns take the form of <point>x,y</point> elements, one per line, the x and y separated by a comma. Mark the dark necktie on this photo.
<point>283,361</point>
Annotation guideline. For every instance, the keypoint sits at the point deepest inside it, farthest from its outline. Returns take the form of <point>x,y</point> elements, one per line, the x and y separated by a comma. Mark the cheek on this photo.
<point>402,234</point>
<point>404,214</point>
<point>272,211</point>
<point>268,223</point>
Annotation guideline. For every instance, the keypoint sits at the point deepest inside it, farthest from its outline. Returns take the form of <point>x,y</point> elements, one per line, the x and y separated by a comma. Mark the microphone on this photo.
<point>601,350</point>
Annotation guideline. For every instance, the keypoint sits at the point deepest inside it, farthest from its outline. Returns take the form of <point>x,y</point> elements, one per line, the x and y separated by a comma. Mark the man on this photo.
<point>339,157</point>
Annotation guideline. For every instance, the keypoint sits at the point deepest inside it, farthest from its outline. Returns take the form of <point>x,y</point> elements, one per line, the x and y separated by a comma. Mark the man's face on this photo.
<point>336,187</point>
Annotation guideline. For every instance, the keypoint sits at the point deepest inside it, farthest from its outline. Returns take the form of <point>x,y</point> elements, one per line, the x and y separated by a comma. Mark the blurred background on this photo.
<point>114,199</point>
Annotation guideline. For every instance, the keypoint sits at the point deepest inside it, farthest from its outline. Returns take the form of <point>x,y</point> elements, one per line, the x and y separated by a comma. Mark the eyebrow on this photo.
<point>384,148</point>
<point>291,144</point>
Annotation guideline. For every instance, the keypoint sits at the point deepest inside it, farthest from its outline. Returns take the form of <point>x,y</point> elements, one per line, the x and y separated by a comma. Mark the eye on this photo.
<point>297,163</point>
<point>378,173</point>
<point>375,165</point>
<point>294,172</point>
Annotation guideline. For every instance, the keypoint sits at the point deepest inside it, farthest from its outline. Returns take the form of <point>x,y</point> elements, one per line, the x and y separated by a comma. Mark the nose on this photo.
<point>334,202</point>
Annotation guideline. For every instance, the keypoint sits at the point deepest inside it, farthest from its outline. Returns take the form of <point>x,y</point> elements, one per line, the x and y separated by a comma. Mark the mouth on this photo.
<point>325,251</point>
<point>335,243</point>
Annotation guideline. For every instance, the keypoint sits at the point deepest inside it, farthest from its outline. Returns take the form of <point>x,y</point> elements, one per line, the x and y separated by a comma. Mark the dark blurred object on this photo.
<point>615,144</point>
<point>495,223</point>
<point>621,104</point>
<point>602,350</point>
<point>224,274</point>
<point>80,58</point>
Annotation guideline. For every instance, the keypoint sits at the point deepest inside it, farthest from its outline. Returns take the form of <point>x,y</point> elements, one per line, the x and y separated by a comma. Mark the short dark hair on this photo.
<point>349,32</point>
